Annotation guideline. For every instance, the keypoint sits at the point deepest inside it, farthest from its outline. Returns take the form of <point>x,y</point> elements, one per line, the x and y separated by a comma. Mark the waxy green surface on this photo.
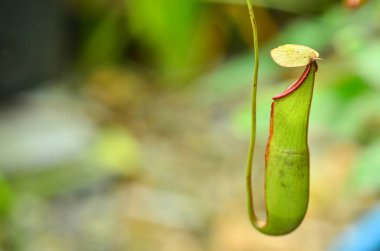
<point>287,158</point>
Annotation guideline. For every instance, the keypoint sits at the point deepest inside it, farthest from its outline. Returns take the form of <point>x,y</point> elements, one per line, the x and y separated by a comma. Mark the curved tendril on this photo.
<point>251,211</point>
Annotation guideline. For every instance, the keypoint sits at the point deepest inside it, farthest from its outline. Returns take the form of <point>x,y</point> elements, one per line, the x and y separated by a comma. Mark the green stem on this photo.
<point>251,211</point>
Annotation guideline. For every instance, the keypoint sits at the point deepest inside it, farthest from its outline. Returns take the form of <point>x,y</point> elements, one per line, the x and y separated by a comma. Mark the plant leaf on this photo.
<point>293,55</point>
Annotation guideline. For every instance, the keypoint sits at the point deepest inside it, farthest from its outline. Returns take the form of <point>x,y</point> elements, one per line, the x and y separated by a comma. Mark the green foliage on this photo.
<point>168,31</point>
<point>6,197</point>
<point>366,176</point>
<point>65,185</point>
<point>104,45</point>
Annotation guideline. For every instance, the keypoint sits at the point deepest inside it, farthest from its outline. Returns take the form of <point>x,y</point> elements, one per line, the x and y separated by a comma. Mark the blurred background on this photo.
<point>124,124</point>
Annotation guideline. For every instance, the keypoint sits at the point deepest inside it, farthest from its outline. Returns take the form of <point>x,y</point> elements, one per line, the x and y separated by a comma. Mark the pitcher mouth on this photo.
<point>296,84</point>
